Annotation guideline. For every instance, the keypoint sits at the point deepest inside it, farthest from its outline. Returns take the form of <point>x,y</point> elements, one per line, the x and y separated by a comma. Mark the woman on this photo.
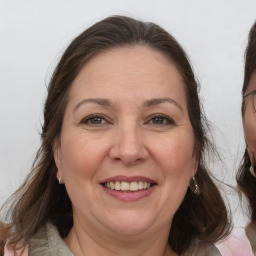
<point>121,167</point>
<point>246,177</point>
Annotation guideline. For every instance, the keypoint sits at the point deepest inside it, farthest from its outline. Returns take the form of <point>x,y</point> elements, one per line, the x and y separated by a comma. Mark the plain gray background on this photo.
<point>33,34</point>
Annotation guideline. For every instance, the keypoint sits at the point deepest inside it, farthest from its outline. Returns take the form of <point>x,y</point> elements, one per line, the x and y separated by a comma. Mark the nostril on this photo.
<point>128,148</point>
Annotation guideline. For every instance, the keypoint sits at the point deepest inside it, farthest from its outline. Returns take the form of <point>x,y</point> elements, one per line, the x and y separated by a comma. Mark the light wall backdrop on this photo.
<point>34,33</point>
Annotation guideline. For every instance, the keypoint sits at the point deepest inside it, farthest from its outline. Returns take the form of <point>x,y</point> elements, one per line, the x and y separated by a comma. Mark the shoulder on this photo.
<point>251,234</point>
<point>236,244</point>
<point>10,252</point>
<point>46,241</point>
<point>202,251</point>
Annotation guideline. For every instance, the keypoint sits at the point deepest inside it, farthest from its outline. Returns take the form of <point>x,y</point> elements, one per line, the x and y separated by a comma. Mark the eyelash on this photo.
<point>167,120</point>
<point>96,117</point>
<point>88,120</point>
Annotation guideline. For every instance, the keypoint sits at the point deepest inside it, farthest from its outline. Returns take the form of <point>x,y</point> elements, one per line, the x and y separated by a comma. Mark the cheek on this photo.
<point>176,155</point>
<point>81,157</point>
<point>81,164</point>
<point>175,158</point>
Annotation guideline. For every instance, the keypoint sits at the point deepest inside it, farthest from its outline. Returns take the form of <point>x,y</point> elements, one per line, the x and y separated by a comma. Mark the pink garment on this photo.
<point>236,244</point>
<point>10,252</point>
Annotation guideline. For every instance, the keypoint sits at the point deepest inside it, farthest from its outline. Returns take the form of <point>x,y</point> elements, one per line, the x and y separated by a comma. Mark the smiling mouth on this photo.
<point>124,186</point>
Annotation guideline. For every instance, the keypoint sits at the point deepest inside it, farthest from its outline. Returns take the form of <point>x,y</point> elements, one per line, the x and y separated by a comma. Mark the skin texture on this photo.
<point>249,122</point>
<point>126,138</point>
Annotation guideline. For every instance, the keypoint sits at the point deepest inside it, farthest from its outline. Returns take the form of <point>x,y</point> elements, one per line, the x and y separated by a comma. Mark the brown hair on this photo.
<point>246,182</point>
<point>200,218</point>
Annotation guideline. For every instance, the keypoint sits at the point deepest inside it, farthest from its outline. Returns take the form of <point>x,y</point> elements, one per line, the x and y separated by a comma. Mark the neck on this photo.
<point>84,243</point>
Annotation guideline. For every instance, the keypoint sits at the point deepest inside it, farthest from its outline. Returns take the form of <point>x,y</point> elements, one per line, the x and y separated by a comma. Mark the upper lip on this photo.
<point>123,178</point>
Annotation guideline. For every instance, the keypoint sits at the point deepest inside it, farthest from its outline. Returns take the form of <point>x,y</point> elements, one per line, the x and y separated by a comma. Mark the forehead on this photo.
<point>131,71</point>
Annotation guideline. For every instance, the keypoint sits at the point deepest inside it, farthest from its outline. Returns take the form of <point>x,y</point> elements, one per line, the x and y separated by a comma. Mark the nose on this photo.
<point>128,145</point>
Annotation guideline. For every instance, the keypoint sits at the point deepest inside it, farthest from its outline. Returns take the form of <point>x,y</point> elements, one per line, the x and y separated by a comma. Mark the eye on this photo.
<point>94,120</point>
<point>161,120</point>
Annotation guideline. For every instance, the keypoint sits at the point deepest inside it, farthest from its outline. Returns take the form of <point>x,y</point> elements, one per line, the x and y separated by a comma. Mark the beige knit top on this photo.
<point>47,242</point>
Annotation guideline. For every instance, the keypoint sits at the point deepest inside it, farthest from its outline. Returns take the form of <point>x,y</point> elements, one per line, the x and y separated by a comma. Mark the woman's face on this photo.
<point>249,121</point>
<point>125,152</point>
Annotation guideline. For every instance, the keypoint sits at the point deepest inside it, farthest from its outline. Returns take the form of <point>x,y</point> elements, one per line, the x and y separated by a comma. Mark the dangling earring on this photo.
<point>60,180</point>
<point>194,186</point>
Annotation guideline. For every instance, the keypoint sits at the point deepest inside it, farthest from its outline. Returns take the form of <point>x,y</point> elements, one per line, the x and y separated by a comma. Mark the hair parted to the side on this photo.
<point>246,182</point>
<point>202,219</point>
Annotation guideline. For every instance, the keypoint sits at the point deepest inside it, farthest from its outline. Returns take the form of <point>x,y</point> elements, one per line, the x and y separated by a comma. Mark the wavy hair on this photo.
<point>201,219</point>
<point>246,182</point>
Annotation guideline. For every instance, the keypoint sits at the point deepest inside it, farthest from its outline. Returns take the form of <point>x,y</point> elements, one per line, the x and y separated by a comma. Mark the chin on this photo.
<point>130,223</point>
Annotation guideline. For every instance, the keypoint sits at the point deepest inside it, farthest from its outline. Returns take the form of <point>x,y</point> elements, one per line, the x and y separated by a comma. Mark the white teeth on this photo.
<point>141,185</point>
<point>134,186</point>
<point>117,185</point>
<point>127,186</point>
<point>112,185</point>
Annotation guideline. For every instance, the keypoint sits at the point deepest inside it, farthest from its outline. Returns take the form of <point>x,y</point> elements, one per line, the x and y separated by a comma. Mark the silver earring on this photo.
<point>59,180</point>
<point>194,186</point>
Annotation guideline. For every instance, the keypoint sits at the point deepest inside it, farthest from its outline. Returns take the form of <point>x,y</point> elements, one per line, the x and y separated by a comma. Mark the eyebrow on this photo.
<point>99,101</point>
<point>147,103</point>
<point>157,101</point>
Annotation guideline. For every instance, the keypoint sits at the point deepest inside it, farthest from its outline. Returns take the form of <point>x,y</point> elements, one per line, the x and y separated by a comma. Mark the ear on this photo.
<point>56,148</point>
<point>252,171</point>
<point>195,163</point>
<point>253,161</point>
<point>195,166</point>
<point>252,156</point>
<point>195,158</point>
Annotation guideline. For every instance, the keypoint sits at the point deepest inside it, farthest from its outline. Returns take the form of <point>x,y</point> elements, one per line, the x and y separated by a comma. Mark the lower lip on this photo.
<point>130,196</point>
